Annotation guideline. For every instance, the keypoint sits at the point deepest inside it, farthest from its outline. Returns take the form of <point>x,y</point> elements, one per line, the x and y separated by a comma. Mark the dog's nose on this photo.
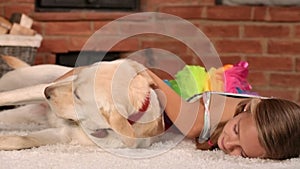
<point>47,92</point>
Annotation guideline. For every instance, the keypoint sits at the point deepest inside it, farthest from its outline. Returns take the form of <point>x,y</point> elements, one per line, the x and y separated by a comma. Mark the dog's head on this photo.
<point>118,90</point>
<point>60,98</point>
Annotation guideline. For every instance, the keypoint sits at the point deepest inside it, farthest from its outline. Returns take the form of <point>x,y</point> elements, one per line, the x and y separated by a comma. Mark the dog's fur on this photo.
<point>86,105</point>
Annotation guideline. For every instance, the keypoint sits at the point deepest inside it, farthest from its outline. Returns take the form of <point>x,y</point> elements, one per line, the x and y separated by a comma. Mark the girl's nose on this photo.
<point>233,147</point>
<point>232,144</point>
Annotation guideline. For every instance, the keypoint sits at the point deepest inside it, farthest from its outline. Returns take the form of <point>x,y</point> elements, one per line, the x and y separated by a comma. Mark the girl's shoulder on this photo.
<point>235,95</point>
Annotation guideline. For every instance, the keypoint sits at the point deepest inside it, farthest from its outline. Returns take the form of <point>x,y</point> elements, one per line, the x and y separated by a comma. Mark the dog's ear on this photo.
<point>147,77</point>
<point>135,65</point>
<point>141,70</point>
<point>14,62</point>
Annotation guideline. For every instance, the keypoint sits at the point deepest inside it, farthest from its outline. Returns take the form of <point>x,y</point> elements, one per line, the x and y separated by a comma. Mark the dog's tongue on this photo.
<point>136,116</point>
<point>100,133</point>
<point>145,104</point>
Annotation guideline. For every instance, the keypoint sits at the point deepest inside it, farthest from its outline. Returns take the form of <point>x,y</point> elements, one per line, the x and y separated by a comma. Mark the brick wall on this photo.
<point>267,37</point>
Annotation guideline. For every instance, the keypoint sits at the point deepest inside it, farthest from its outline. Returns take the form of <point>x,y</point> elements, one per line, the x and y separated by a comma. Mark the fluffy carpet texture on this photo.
<point>181,155</point>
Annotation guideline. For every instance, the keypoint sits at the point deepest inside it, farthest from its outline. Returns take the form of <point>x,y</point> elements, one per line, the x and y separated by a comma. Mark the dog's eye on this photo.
<point>76,94</point>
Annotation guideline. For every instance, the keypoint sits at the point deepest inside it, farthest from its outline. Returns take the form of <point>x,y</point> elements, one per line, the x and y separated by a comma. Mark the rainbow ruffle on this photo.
<point>193,80</point>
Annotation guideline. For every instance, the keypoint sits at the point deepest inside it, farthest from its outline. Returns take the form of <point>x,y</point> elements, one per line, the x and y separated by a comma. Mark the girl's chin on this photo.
<point>219,142</point>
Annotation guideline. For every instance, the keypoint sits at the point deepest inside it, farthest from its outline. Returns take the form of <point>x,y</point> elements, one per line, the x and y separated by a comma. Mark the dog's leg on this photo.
<point>32,113</point>
<point>121,126</point>
<point>32,94</point>
<point>45,137</point>
<point>35,139</point>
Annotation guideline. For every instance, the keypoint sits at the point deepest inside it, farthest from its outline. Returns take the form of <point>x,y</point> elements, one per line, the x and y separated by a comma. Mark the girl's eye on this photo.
<point>243,154</point>
<point>235,129</point>
<point>76,94</point>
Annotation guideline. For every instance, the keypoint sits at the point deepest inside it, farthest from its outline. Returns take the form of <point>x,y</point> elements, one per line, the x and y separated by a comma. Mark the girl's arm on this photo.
<point>187,117</point>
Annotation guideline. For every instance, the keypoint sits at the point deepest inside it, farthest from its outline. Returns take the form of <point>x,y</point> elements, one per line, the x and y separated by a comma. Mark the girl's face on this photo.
<point>240,136</point>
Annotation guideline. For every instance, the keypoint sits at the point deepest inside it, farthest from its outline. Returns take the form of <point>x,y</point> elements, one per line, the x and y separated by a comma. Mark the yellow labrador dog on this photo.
<point>107,103</point>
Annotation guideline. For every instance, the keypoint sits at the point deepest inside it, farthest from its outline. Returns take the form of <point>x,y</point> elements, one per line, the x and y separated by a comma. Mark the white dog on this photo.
<point>109,102</point>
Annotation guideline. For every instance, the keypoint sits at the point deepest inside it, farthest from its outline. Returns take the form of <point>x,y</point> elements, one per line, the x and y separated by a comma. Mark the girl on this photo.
<point>245,125</point>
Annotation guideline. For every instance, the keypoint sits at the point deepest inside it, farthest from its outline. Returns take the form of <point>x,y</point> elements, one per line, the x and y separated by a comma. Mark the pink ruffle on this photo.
<point>236,78</point>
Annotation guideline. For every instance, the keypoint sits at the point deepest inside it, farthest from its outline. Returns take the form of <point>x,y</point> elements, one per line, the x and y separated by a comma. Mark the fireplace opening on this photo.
<point>68,5</point>
<point>72,59</point>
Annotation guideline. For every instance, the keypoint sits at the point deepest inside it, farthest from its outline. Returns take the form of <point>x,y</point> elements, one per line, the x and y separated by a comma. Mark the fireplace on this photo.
<point>67,5</point>
<point>84,58</point>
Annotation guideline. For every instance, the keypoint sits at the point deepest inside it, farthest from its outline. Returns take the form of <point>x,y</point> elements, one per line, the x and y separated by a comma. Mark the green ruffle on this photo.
<point>189,81</point>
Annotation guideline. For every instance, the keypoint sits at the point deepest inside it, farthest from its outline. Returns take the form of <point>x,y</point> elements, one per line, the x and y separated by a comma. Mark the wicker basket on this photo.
<point>23,47</point>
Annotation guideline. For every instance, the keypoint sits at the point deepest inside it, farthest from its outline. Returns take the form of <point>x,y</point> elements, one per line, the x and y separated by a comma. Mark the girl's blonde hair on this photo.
<point>278,125</point>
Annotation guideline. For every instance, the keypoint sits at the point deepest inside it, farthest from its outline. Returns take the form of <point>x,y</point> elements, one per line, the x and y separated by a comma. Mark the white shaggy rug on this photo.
<point>183,155</point>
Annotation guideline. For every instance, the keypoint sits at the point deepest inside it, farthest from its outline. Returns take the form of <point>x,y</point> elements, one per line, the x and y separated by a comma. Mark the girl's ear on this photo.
<point>202,146</point>
<point>208,145</point>
<point>212,142</point>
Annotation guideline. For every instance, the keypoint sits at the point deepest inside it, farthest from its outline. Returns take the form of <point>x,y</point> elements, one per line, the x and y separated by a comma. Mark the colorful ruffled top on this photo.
<point>193,80</point>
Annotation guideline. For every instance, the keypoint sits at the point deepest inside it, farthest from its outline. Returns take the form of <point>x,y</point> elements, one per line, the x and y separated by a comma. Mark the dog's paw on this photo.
<point>130,142</point>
